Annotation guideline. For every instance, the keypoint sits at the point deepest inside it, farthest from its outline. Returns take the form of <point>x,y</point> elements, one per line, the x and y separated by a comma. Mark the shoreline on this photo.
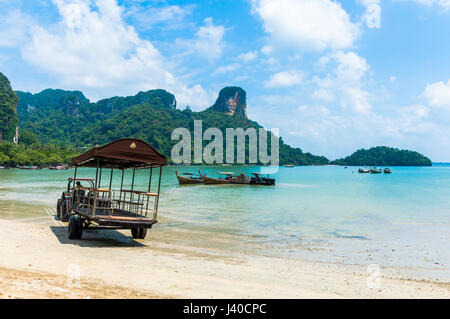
<point>40,260</point>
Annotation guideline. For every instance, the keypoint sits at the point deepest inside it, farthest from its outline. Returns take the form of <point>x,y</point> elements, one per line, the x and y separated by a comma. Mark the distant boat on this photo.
<point>387,171</point>
<point>239,180</point>
<point>29,167</point>
<point>189,178</point>
<point>3,167</point>
<point>289,165</point>
<point>375,170</point>
<point>364,171</point>
<point>59,167</point>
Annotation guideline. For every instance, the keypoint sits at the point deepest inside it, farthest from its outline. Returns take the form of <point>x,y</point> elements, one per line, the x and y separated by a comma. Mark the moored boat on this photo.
<point>218,181</point>
<point>241,179</point>
<point>59,167</point>
<point>387,170</point>
<point>363,170</point>
<point>258,180</point>
<point>189,178</point>
<point>375,170</point>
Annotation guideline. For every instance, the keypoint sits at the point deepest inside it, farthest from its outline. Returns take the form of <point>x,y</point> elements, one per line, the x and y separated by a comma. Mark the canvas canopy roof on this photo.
<point>123,153</point>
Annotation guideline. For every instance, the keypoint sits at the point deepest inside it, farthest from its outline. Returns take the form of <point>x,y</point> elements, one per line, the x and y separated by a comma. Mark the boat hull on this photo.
<point>215,181</point>
<point>188,181</point>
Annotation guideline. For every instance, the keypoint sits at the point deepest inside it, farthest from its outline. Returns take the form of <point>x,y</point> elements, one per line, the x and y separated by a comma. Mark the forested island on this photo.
<point>384,156</point>
<point>55,125</point>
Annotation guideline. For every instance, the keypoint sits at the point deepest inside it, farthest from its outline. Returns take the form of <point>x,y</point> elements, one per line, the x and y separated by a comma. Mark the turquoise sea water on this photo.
<point>320,213</point>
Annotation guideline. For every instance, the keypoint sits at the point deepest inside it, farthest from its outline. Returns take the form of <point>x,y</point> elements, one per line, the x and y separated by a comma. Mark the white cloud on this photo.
<point>438,94</point>
<point>13,28</point>
<point>323,95</point>
<point>307,24</point>
<point>249,56</point>
<point>267,49</point>
<point>207,42</point>
<point>227,68</point>
<point>284,79</point>
<point>93,49</point>
<point>170,17</point>
<point>346,82</point>
<point>444,4</point>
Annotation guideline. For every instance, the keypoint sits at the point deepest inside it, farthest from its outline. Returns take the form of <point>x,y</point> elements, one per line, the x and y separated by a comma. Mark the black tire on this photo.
<point>135,233</point>
<point>72,229</point>
<point>80,228</point>
<point>64,215</point>
<point>142,232</point>
<point>58,207</point>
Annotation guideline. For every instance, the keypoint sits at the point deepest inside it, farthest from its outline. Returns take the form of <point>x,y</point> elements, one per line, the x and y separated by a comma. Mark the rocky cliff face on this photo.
<point>232,100</point>
<point>8,110</point>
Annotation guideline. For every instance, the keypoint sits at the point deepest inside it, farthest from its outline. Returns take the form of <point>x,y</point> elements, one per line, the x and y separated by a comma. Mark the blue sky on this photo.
<point>333,76</point>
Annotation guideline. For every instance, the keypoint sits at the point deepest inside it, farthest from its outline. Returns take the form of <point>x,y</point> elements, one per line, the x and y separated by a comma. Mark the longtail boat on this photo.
<point>217,181</point>
<point>241,179</point>
<point>258,180</point>
<point>375,171</point>
<point>189,178</point>
<point>387,171</point>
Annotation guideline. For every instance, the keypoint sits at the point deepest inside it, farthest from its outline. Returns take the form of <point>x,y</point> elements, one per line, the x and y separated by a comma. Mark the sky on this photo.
<point>332,76</point>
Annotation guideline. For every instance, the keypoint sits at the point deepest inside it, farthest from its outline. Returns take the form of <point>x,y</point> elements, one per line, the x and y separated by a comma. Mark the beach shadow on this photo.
<point>96,238</point>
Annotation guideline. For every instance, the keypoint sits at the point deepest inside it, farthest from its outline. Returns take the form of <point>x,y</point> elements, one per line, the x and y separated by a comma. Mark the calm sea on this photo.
<point>329,213</point>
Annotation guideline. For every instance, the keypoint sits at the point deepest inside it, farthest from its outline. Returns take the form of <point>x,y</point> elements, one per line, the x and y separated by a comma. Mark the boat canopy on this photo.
<point>123,153</point>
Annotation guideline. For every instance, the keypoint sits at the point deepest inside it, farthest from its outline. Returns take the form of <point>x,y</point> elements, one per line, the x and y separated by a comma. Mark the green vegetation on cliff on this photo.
<point>8,113</point>
<point>384,156</point>
<point>68,118</point>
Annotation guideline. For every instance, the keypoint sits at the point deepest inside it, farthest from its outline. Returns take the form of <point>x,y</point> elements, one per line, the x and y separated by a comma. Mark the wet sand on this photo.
<point>38,261</point>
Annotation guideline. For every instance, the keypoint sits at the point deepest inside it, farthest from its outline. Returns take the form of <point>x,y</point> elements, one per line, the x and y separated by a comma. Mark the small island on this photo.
<point>384,156</point>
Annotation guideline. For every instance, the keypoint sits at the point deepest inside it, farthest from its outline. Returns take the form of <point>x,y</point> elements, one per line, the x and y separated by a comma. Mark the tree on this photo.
<point>28,138</point>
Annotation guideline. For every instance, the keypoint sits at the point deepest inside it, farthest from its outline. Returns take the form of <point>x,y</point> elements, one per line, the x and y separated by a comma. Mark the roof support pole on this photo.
<point>110,179</point>
<point>74,178</point>
<point>110,191</point>
<point>96,175</point>
<point>73,185</point>
<point>149,188</point>
<point>95,190</point>
<point>159,188</point>
<point>132,186</point>
<point>121,187</point>
<point>150,179</point>
<point>100,178</point>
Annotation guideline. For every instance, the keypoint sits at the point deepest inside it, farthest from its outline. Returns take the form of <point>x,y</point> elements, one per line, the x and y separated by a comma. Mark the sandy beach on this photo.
<point>38,261</point>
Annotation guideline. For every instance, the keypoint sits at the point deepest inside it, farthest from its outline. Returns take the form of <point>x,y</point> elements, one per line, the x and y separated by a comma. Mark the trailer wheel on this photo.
<point>80,228</point>
<point>75,229</point>
<point>58,207</point>
<point>135,233</point>
<point>142,232</point>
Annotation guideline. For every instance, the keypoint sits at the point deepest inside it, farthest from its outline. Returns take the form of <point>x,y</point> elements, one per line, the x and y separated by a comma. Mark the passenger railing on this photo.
<point>105,202</point>
<point>137,202</point>
<point>92,200</point>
